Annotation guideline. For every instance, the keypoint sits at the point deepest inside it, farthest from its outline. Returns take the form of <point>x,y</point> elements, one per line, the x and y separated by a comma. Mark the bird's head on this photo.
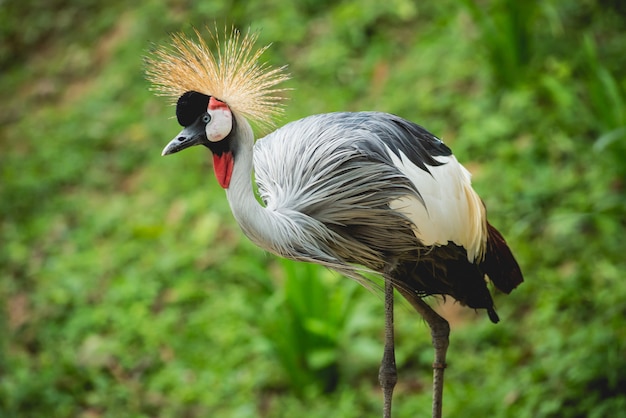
<point>205,120</point>
<point>214,90</point>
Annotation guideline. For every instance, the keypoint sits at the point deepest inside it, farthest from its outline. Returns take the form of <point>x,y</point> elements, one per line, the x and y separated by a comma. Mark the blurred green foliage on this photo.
<point>126,288</point>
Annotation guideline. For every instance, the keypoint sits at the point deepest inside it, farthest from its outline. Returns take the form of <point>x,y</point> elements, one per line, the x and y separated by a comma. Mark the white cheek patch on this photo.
<point>220,125</point>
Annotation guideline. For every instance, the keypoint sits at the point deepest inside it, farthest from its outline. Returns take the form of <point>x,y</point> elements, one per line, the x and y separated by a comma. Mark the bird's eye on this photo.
<point>206,118</point>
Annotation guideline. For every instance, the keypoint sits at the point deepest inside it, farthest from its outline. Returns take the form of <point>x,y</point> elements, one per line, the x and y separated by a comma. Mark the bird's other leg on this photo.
<point>388,375</point>
<point>440,332</point>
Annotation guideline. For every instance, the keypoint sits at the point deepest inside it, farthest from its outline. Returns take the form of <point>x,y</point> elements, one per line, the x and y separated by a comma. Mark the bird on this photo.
<point>357,192</point>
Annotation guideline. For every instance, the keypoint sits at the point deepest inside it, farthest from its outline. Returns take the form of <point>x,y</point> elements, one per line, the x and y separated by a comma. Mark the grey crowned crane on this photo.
<point>355,192</point>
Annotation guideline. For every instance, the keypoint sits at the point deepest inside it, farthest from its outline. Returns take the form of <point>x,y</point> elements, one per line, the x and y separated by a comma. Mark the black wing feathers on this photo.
<point>400,136</point>
<point>499,263</point>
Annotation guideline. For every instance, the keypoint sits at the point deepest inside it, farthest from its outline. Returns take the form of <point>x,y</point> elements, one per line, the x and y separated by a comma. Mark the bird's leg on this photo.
<point>440,331</point>
<point>387,375</point>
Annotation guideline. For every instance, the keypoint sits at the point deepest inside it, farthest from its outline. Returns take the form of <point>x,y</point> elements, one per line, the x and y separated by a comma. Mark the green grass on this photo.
<point>127,290</point>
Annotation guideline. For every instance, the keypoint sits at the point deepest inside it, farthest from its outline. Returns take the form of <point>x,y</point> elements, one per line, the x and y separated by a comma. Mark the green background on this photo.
<point>127,290</point>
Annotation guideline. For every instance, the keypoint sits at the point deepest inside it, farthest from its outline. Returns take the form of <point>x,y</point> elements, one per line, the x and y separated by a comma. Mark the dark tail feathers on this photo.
<point>499,263</point>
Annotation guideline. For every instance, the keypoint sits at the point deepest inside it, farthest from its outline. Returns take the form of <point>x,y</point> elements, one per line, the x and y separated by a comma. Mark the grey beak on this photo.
<point>188,137</point>
<point>178,144</point>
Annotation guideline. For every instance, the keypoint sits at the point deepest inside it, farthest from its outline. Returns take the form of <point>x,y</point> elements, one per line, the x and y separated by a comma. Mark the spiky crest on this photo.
<point>232,74</point>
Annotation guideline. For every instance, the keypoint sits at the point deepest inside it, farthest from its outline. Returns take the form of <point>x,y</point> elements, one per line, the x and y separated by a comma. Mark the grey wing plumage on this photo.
<point>374,190</point>
<point>332,172</point>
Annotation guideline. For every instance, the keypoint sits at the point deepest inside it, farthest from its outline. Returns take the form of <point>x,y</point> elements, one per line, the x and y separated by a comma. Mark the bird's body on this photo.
<point>364,191</point>
<point>372,190</point>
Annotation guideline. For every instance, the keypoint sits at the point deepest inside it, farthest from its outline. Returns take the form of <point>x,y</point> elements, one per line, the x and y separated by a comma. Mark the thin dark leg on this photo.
<point>387,375</point>
<point>440,331</point>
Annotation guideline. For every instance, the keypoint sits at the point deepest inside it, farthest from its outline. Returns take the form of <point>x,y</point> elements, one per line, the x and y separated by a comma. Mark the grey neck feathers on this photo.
<point>265,228</point>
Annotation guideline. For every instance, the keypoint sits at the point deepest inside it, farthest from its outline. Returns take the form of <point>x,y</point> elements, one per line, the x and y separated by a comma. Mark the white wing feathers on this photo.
<point>452,211</point>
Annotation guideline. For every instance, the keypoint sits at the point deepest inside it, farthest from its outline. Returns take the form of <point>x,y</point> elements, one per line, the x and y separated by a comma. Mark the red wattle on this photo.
<point>223,167</point>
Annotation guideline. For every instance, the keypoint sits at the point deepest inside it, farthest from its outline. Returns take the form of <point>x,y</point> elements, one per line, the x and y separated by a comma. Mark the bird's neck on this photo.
<point>256,222</point>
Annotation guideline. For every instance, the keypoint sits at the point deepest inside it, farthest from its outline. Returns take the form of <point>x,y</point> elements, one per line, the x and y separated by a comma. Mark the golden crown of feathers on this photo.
<point>232,74</point>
